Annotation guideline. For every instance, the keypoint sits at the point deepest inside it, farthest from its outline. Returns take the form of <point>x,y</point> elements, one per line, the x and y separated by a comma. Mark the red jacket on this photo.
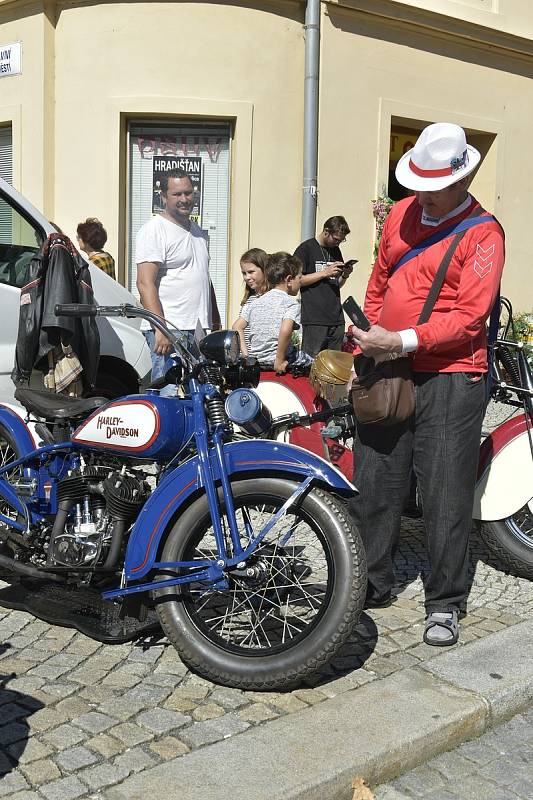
<point>454,338</point>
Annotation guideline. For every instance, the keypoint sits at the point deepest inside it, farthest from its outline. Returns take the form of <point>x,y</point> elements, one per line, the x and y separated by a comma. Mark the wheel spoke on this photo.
<point>287,592</point>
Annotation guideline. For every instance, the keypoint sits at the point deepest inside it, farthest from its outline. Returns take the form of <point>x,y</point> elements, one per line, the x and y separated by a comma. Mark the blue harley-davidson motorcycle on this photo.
<point>117,517</point>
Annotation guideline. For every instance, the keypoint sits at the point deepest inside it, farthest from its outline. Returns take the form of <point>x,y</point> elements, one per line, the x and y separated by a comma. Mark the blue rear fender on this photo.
<point>18,429</point>
<point>21,435</point>
<point>255,456</point>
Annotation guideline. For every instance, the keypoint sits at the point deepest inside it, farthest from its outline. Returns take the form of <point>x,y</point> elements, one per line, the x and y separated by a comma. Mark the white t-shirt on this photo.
<point>183,281</point>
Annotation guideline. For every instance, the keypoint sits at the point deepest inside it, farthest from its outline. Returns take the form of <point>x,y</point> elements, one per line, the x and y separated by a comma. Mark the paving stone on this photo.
<point>45,719</point>
<point>149,696</point>
<point>383,666</point>
<point>75,758</point>
<point>170,662</point>
<point>149,656</point>
<point>122,679</point>
<point>169,747</point>
<point>208,711</point>
<point>32,750</point>
<point>310,696</point>
<point>39,772</point>
<point>288,703</point>
<point>478,751</point>
<point>49,672</point>
<point>6,765</point>
<point>13,732</point>
<point>95,695</point>
<point>25,795</point>
<point>83,646</point>
<point>12,782</point>
<point>135,760</point>
<point>452,765</point>
<point>106,745</point>
<point>193,691</point>
<point>183,704</point>
<point>29,683</point>
<point>103,775</point>
<point>212,730</point>
<point>64,789</point>
<point>57,689</point>
<point>257,712</point>
<point>64,736</point>
<point>131,734</point>
<point>87,676</point>
<point>162,720</point>
<point>501,772</point>
<point>94,722</point>
<point>73,706</point>
<point>16,666</point>
<point>121,708</point>
<point>11,711</point>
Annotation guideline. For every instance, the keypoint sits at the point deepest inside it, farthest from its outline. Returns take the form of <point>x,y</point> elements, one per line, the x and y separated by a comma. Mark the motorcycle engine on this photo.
<point>100,499</point>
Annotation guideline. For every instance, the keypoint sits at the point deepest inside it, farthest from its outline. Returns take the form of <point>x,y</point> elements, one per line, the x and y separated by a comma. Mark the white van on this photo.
<point>124,355</point>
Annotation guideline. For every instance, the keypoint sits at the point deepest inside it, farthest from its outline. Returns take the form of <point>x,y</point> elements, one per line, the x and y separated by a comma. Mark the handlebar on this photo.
<point>294,420</point>
<point>75,310</point>
<point>178,342</point>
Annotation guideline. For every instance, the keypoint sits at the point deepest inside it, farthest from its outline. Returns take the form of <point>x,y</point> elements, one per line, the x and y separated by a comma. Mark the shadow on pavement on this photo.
<point>15,708</point>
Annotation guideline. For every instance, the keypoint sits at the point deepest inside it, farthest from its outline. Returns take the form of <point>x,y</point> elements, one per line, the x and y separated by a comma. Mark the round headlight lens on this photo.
<point>232,347</point>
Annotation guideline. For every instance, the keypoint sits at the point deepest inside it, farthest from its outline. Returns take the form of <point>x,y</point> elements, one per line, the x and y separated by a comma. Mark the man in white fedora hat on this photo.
<point>449,361</point>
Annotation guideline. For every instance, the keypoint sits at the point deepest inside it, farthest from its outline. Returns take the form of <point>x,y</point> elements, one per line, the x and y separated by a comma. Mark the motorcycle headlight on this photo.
<point>221,346</point>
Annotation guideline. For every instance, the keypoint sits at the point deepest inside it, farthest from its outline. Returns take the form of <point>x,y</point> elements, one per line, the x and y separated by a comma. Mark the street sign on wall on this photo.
<point>10,59</point>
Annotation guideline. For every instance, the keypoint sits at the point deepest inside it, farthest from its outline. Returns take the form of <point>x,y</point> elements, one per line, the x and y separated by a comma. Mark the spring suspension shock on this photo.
<point>215,405</point>
<point>216,411</point>
<point>509,363</point>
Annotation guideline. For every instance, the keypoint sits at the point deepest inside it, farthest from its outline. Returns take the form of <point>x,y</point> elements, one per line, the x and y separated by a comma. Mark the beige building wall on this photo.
<point>89,68</point>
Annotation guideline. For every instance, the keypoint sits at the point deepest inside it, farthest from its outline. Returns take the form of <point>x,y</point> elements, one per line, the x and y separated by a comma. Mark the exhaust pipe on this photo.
<point>27,571</point>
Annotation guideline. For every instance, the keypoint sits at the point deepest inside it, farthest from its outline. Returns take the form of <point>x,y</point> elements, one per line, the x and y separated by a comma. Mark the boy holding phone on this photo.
<point>324,273</point>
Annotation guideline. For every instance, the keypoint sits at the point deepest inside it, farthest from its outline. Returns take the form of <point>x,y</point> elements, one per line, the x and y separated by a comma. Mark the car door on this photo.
<point>20,239</point>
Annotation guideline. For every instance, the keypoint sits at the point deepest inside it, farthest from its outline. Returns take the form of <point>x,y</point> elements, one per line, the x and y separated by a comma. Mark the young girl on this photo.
<point>253,266</point>
<point>271,318</point>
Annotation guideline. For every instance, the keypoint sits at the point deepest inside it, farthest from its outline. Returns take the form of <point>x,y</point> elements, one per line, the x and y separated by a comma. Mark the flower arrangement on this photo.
<point>380,210</point>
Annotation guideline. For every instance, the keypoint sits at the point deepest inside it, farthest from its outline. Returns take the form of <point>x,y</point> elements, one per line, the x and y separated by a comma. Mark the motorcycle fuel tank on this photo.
<point>147,426</point>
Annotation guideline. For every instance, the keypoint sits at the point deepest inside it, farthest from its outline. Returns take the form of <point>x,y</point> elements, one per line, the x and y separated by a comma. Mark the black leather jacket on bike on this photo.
<point>56,274</point>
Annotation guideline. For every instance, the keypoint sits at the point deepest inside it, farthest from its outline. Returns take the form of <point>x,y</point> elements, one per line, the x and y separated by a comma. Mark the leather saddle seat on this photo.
<point>53,406</point>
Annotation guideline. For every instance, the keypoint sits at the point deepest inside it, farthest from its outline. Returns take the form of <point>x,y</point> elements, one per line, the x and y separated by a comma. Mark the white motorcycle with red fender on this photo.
<point>503,502</point>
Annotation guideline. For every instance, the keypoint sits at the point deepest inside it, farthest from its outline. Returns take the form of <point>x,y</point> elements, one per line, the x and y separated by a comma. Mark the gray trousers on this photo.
<point>321,337</point>
<point>441,443</point>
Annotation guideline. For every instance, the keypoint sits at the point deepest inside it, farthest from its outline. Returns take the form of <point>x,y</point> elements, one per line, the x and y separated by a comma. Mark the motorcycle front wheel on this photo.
<point>511,540</point>
<point>289,610</point>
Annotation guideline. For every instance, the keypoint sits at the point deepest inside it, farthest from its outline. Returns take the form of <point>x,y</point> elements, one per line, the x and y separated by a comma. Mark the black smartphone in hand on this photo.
<point>351,263</point>
<point>356,314</point>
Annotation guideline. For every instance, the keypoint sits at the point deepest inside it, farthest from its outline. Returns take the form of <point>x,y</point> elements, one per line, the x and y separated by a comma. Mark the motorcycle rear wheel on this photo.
<point>511,540</point>
<point>278,628</point>
<point>8,452</point>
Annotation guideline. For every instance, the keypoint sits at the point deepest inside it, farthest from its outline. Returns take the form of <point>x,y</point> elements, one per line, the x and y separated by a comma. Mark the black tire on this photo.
<point>511,541</point>
<point>258,649</point>
<point>110,387</point>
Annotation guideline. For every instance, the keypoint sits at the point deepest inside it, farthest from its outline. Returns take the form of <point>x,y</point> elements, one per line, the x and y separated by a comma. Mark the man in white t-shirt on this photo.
<point>173,269</point>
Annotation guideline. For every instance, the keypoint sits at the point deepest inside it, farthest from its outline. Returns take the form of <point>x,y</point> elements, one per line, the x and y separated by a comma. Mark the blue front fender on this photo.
<point>257,455</point>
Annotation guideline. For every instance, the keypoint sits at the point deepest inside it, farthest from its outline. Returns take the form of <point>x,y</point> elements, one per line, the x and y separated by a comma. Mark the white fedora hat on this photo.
<point>439,158</point>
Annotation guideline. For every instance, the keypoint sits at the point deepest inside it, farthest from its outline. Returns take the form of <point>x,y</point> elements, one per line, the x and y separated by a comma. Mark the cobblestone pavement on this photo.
<point>497,766</point>
<point>77,716</point>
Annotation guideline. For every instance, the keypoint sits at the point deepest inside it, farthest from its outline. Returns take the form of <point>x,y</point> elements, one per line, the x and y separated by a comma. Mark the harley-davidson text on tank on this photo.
<point>129,425</point>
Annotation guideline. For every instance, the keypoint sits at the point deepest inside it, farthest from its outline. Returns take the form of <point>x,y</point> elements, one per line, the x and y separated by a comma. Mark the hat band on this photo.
<point>456,164</point>
<point>429,173</point>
